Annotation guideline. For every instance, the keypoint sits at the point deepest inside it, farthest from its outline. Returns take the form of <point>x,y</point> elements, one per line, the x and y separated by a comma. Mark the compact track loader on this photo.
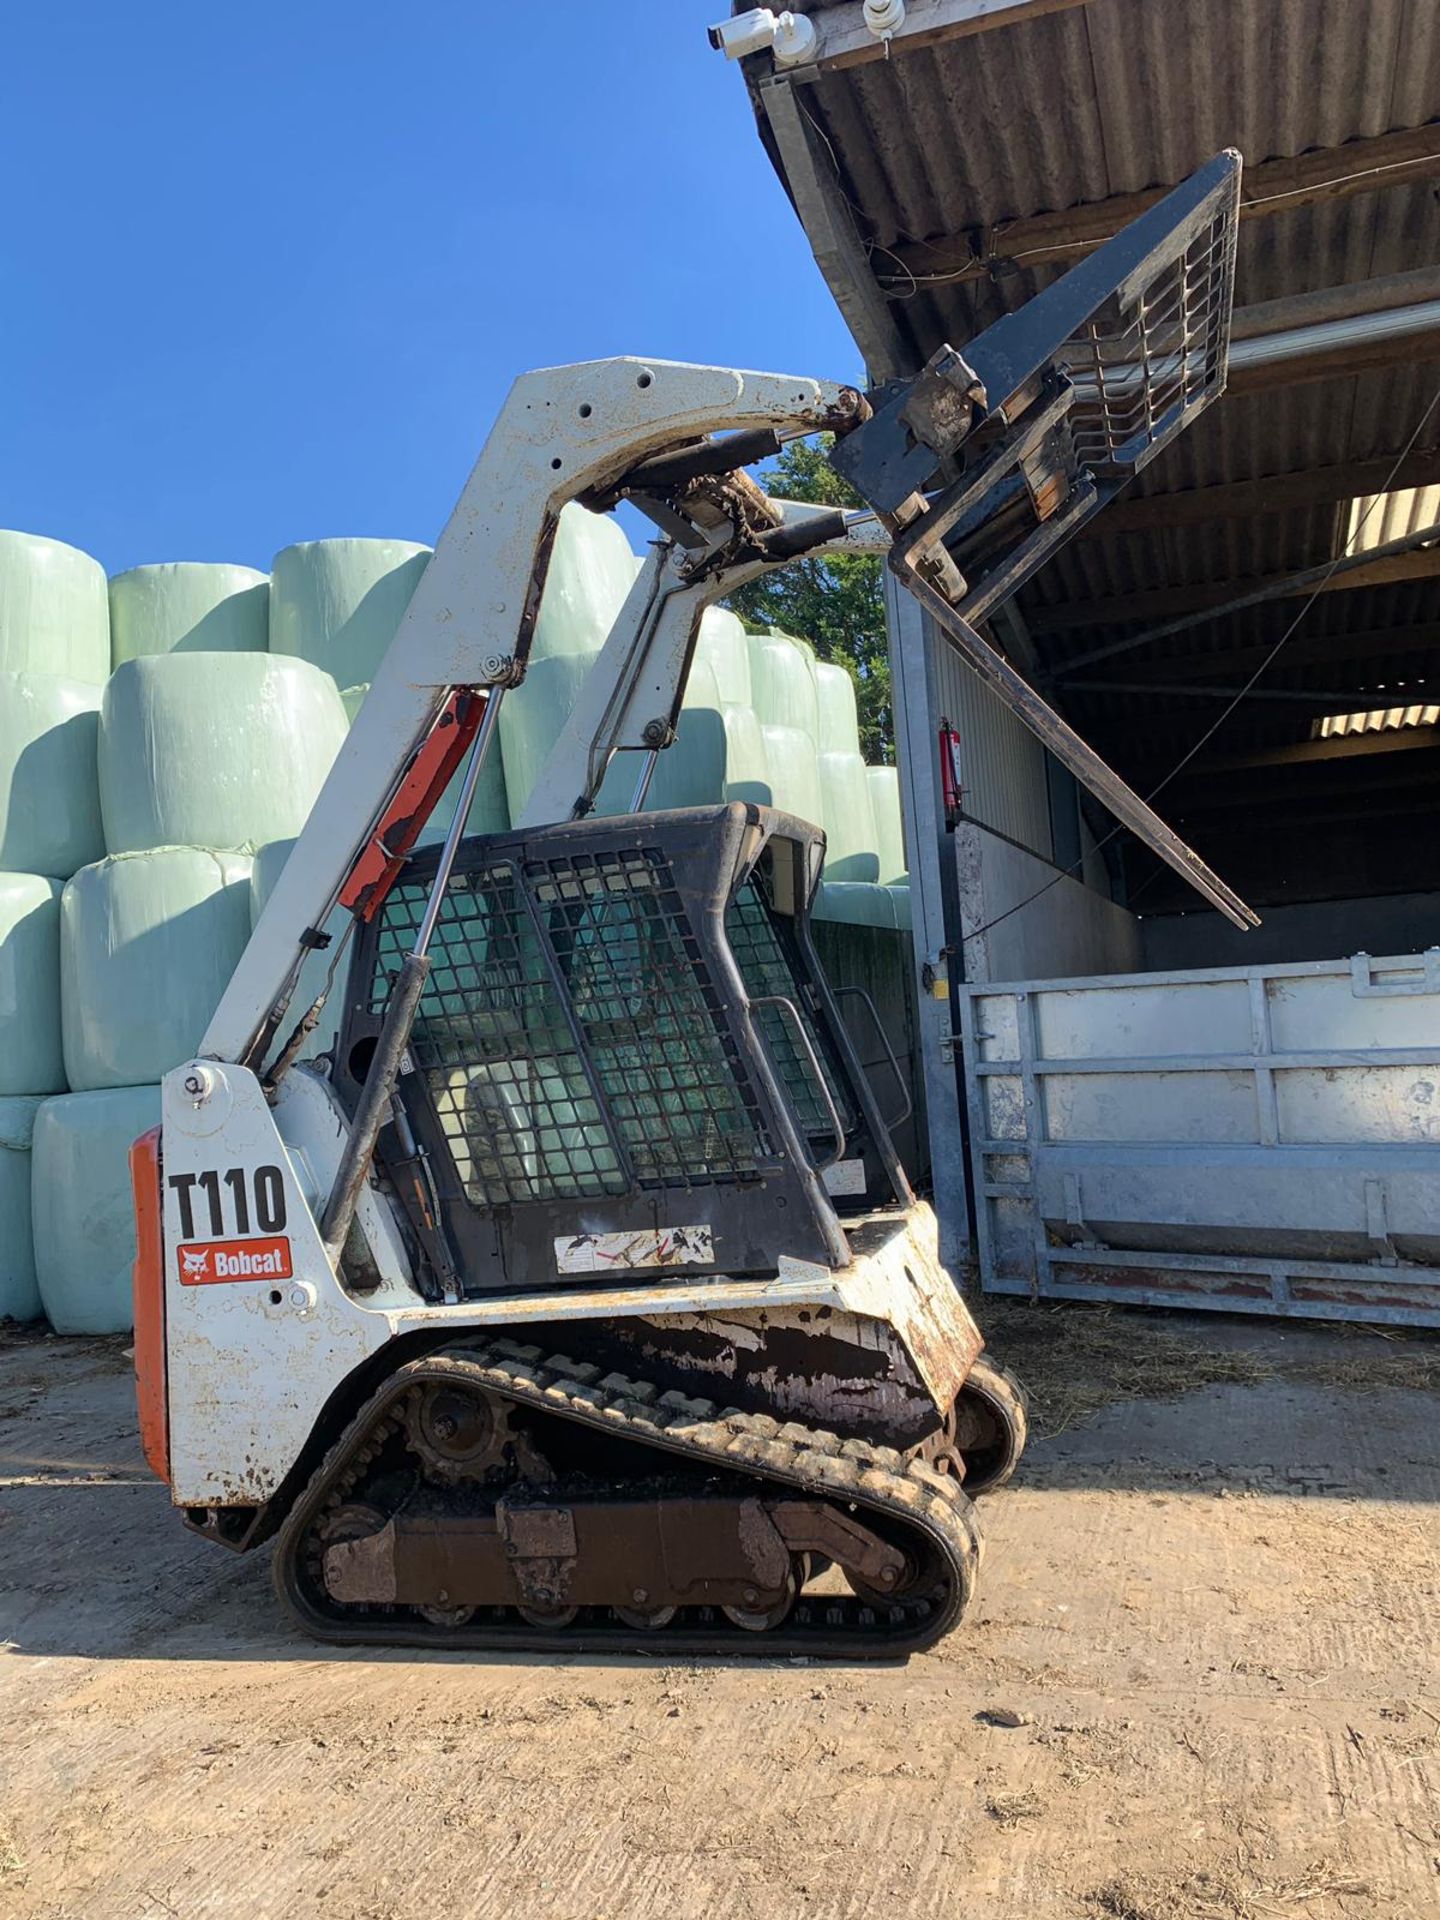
<point>577,1298</point>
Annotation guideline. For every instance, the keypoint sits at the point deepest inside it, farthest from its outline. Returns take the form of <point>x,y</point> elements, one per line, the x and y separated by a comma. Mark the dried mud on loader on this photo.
<point>1200,1680</point>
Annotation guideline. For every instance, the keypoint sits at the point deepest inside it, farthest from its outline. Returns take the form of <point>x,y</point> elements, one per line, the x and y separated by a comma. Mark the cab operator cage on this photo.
<point>625,1031</point>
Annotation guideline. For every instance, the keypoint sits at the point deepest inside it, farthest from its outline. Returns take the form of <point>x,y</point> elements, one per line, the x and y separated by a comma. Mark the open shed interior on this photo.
<point>1248,635</point>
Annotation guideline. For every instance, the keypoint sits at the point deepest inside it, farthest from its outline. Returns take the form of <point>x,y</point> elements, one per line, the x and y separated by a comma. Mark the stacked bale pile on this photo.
<point>207,747</point>
<point>54,657</point>
<point>335,606</point>
<point>146,812</point>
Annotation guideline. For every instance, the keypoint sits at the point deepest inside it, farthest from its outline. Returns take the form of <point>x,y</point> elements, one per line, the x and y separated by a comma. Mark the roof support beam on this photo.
<point>1331,700</point>
<point>1421,565</point>
<point>1278,493</point>
<point>844,40</point>
<point>1345,302</point>
<point>1376,653</point>
<point>1334,349</point>
<point>834,240</point>
<point>1275,186</point>
<point>1342,746</point>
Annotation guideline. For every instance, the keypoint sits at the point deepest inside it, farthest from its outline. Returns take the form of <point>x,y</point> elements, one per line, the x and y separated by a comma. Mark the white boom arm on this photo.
<point>562,432</point>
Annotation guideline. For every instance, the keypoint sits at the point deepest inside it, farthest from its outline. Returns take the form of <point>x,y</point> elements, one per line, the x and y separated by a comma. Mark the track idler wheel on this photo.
<point>989,1426</point>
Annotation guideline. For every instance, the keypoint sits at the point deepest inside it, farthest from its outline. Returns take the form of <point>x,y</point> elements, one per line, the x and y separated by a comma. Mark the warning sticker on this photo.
<point>652,1247</point>
<point>203,1263</point>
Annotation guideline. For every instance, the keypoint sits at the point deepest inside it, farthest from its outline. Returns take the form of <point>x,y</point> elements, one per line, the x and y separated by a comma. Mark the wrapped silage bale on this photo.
<point>49,797</point>
<point>747,762</point>
<point>54,615</point>
<point>591,571</point>
<point>592,568</point>
<point>794,773</point>
<point>838,729</point>
<point>214,749</point>
<point>846,817</point>
<point>884,785</point>
<point>31,1061</point>
<point>782,683</point>
<point>689,773</point>
<point>268,865</point>
<point>337,603</point>
<point>531,719</point>
<point>188,606</point>
<point>148,942</point>
<point>721,643</point>
<point>859,903</point>
<point>19,1295</point>
<point>83,1208</point>
<point>489,813</point>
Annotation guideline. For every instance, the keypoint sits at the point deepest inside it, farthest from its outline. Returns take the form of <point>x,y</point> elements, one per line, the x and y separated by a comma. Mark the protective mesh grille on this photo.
<point>765,969</point>
<point>1139,371</point>
<point>633,1082</point>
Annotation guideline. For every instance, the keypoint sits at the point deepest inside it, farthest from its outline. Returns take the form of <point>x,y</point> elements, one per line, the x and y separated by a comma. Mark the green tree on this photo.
<point>832,600</point>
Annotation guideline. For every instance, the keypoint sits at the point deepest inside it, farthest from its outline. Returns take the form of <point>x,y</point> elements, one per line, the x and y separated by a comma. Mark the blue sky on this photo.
<point>269,269</point>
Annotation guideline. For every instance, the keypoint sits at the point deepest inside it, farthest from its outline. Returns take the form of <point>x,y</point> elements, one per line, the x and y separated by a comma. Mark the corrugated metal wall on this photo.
<point>1003,763</point>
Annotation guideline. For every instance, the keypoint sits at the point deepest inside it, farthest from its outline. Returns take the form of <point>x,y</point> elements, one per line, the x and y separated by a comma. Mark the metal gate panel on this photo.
<point>1260,1139</point>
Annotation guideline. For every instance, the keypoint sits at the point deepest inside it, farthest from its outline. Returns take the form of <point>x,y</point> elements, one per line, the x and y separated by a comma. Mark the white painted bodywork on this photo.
<point>253,1362</point>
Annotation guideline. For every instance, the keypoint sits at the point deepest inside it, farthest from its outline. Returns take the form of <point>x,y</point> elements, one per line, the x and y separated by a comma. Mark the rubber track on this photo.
<point>811,1460</point>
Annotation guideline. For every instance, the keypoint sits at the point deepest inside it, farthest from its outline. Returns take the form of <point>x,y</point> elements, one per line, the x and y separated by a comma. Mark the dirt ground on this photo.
<point>1211,1602</point>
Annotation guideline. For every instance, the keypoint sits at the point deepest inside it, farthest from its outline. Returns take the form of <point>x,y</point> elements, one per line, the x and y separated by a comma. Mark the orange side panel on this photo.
<point>150,1303</point>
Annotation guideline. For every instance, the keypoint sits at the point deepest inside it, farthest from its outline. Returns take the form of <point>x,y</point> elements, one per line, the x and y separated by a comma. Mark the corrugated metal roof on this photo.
<point>1112,97</point>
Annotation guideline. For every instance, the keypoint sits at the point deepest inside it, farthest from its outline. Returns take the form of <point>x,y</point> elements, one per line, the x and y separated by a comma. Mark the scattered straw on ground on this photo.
<point>1225,1894</point>
<point>1074,1359</point>
<point>1009,1809</point>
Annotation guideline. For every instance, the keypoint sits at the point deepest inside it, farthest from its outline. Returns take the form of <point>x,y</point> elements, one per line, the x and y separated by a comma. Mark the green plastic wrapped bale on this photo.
<point>490,812</point>
<point>839,725</point>
<point>83,1208</point>
<point>148,942</point>
<point>782,683</point>
<point>49,797</point>
<point>856,903</point>
<point>794,773</point>
<point>31,1061</point>
<point>188,606</point>
<point>849,826</point>
<point>265,870</point>
<point>722,645</point>
<point>531,718</point>
<point>337,603</point>
<point>691,772</point>
<point>54,616</point>
<point>747,763</point>
<point>214,749</point>
<point>591,570</point>
<point>19,1295</point>
<point>884,785</point>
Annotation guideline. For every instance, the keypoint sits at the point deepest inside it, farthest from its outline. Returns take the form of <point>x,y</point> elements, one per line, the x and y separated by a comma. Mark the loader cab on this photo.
<point>626,1062</point>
